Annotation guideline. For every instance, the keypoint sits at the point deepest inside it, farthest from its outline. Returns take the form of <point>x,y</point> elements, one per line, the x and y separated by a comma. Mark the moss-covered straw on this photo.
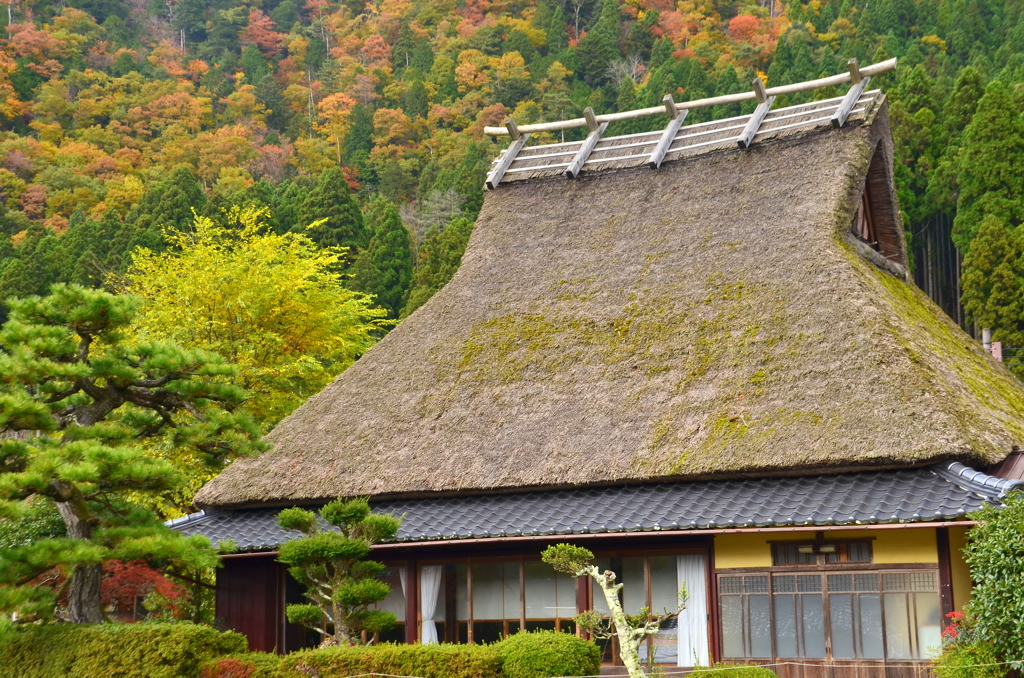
<point>709,319</point>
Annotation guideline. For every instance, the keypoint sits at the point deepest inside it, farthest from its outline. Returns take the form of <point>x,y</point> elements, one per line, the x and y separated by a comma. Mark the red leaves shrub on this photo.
<point>125,582</point>
<point>228,667</point>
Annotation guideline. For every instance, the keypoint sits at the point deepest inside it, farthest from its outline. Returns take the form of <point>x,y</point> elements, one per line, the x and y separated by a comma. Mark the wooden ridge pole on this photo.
<point>831,81</point>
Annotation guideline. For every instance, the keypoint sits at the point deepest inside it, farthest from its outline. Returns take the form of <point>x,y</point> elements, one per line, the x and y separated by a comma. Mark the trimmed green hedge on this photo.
<point>540,654</point>
<point>427,661</point>
<point>113,650</point>
<point>734,671</point>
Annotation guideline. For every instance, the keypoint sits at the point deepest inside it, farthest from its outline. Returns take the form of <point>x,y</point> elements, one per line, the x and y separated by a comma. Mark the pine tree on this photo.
<point>991,166</point>
<point>438,260</point>
<point>332,201</point>
<point>384,269</point>
<point>75,399</point>
<point>332,565</point>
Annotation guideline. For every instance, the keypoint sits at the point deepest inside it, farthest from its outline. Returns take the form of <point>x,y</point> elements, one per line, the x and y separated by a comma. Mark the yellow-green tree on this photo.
<point>272,304</point>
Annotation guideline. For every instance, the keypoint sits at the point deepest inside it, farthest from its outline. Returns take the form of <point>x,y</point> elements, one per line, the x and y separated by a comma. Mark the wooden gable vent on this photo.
<point>877,223</point>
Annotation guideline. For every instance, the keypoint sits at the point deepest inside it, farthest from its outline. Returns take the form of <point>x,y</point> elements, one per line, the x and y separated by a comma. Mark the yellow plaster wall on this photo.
<point>888,546</point>
<point>961,573</point>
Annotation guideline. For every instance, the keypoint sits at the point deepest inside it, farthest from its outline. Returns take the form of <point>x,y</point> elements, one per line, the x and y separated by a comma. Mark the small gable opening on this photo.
<point>876,223</point>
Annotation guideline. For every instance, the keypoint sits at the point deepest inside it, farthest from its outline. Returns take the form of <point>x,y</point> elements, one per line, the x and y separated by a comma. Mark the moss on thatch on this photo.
<point>712,318</point>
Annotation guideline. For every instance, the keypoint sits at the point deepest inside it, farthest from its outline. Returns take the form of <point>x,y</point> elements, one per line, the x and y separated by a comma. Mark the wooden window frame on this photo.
<point>824,572</point>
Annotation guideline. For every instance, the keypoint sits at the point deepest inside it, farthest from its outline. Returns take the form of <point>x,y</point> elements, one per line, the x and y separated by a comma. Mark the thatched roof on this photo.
<point>713,318</point>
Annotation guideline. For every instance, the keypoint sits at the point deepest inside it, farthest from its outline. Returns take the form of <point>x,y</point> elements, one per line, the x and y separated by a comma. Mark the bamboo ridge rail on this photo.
<point>854,75</point>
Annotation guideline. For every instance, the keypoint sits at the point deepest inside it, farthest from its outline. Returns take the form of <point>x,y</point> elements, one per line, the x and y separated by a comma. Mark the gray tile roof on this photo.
<point>944,492</point>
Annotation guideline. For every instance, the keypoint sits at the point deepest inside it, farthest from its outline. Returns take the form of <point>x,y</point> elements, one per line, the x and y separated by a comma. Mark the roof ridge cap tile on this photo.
<point>977,481</point>
<point>198,516</point>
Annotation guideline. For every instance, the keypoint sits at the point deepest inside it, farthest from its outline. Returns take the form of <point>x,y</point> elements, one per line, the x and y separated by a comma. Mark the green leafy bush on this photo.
<point>734,671</point>
<point>109,650</point>
<point>427,661</point>
<point>968,660</point>
<point>539,654</point>
<point>995,553</point>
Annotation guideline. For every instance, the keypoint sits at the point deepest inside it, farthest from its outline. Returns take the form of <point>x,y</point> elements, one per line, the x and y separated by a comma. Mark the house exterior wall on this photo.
<point>911,546</point>
<point>252,591</point>
<point>961,574</point>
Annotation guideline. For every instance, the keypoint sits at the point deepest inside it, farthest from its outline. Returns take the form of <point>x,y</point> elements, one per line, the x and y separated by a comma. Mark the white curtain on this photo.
<point>693,621</point>
<point>430,586</point>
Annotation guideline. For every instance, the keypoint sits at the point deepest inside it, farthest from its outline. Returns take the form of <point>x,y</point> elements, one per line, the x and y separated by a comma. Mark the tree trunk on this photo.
<point>84,606</point>
<point>629,644</point>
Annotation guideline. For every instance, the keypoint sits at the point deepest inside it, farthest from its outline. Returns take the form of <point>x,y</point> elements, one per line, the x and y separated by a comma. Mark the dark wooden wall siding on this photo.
<point>251,596</point>
<point>249,601</point>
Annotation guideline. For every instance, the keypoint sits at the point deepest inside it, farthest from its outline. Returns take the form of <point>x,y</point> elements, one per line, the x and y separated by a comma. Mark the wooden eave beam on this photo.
<point>576,166</point>
<point>676,118</point>
<point>505,161</point>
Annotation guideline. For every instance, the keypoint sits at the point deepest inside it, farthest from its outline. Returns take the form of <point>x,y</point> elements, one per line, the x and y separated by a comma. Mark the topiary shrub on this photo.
<point>540,654</point>
<point>248,665</point>
<point>425,661</point>
<point>113,650</point>
<point>734,671</point>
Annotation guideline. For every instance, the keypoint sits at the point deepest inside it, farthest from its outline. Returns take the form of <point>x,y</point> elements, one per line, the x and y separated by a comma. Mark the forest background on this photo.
<point>123,118</point>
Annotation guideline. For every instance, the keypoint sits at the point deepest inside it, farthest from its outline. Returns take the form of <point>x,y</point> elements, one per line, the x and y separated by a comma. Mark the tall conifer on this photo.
<point>332,200</point>
<point>384,269</point>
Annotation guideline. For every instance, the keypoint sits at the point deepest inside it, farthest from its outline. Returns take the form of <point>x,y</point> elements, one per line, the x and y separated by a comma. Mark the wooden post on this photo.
<point>494,178</point>
<point>848,102</point>
<point>855,74</point>
<point>759,92</point>
<point>746,137</point>
<point>412,608</point>
<point>582,602</point>
<point>669,135</point>
<point>576,166</point>
<point>513,129</point>
<point>946,604</point>
<point>588,115</point>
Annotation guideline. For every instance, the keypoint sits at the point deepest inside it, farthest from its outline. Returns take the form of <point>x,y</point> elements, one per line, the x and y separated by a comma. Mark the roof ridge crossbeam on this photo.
<point>676,118</point>
<point>518,142</point>
<point>764,104</point>
<point>831,81</point>
<point>596,130</point>
<point>860,82</point>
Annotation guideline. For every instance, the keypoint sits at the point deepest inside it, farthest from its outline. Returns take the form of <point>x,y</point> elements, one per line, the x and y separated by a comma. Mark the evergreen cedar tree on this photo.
<point>76,402</point>
<point>384,269</point>
<point>332,565</point>
<point>330,215</point>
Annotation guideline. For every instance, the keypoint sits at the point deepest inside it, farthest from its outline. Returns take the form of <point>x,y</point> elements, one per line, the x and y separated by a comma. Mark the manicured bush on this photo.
<point>540,654</point>
<point>734,671</point>
<point>113,650</point>
<point>427,661</point>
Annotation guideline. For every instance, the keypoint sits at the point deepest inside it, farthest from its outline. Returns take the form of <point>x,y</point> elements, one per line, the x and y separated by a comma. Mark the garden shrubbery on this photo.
<point>108,650</point>
<point>428,661</point>
<point>182,650</point>
<point>540,654</point>
<point>734,671</point>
